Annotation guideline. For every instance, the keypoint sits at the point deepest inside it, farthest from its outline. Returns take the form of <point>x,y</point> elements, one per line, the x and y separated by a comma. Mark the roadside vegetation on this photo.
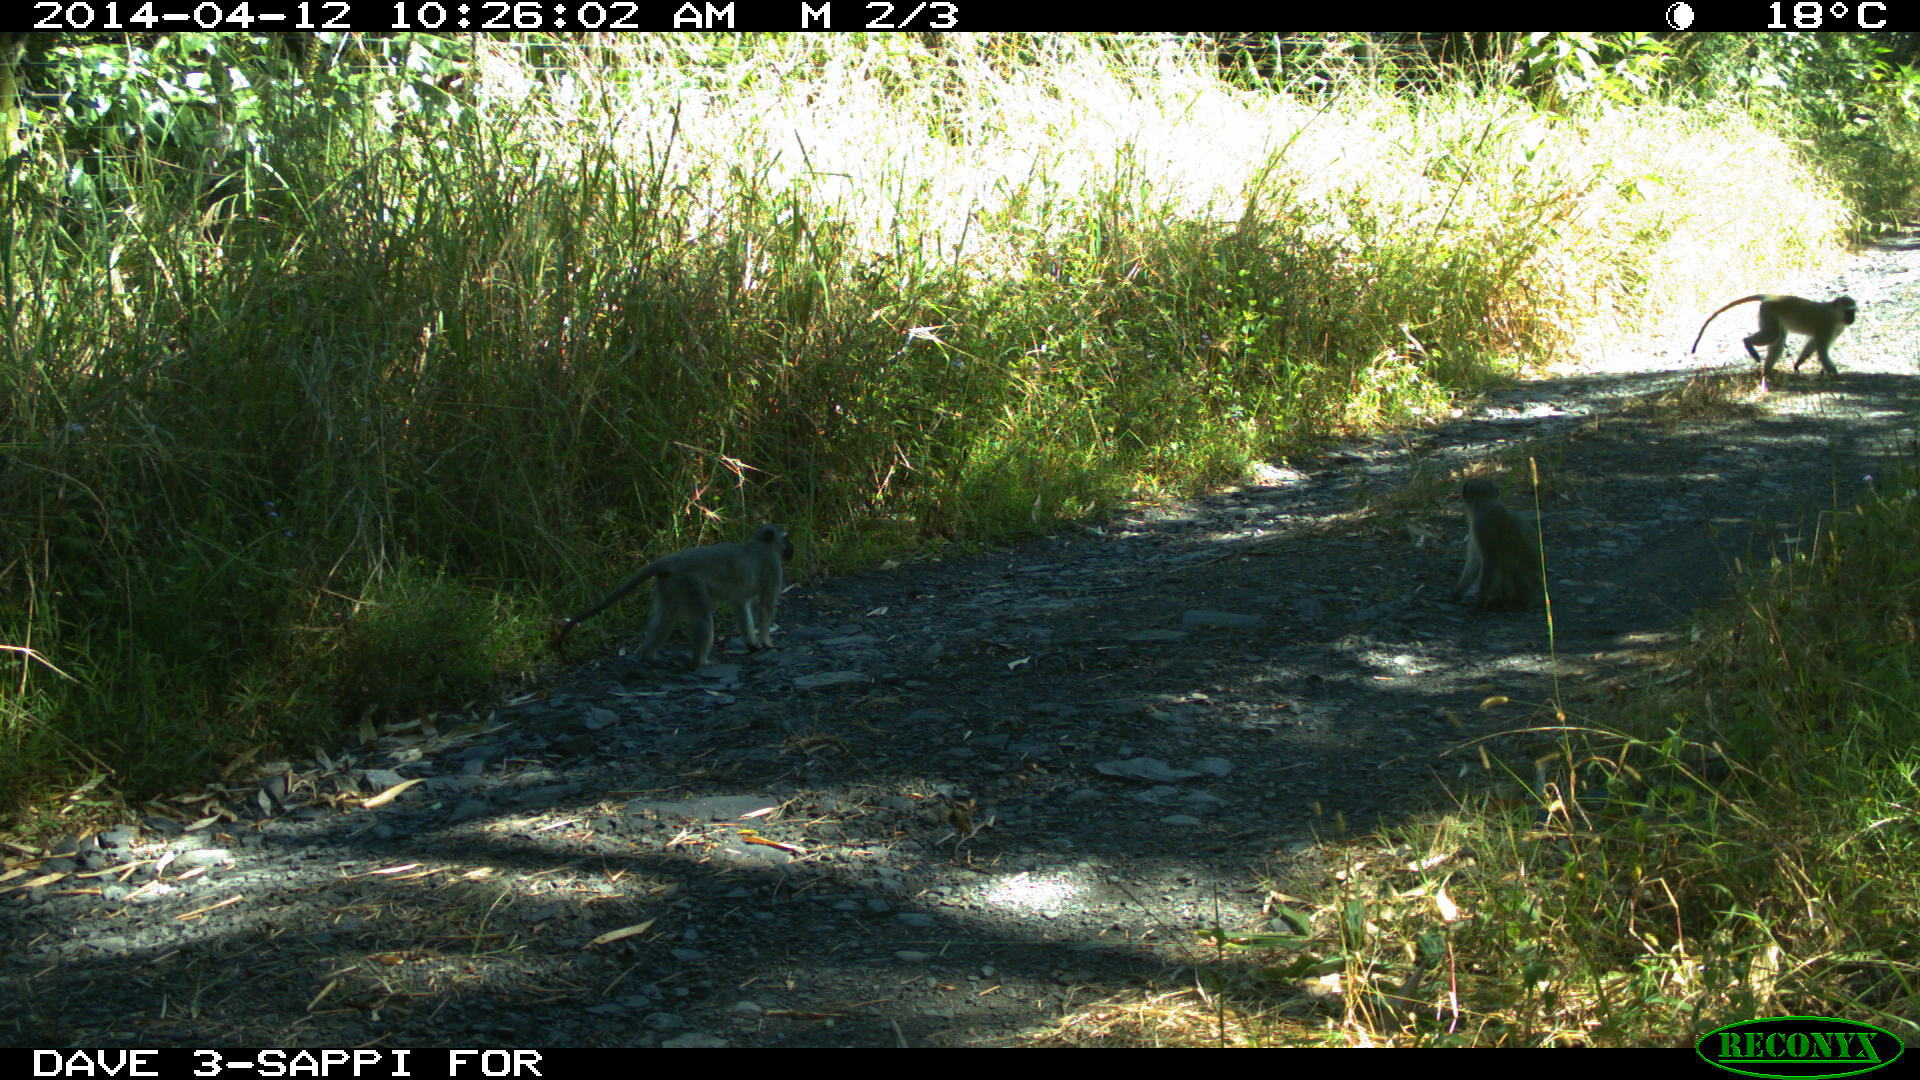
<point>334,367</point>
<point>1726,835</point>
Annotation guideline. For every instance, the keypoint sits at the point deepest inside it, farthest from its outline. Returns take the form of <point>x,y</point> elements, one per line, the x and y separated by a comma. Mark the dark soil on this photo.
<point>998,788</point>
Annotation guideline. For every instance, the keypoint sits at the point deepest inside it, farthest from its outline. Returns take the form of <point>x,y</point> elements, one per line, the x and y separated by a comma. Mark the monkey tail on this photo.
<point>1717,314</point>
<point>651,570</point>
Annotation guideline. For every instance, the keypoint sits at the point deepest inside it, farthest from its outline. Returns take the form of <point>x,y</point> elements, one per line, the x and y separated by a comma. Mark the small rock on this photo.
<point>831,678</point>
<point>1144,768</point>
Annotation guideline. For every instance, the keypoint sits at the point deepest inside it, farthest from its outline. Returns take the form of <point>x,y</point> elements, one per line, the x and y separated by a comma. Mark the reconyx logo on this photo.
<point>1800,1047</point>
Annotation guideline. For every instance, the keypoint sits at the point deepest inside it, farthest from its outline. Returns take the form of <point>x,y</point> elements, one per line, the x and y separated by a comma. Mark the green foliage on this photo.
<point>1841,93</point>
<point>1568,69</point>
<point>334,364</point>
<point>417,640</point>
<point>1814,77</point>
<point>157,117</point>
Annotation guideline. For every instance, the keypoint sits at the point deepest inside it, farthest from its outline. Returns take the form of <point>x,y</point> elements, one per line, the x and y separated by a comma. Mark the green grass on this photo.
<point>319,408</point>
<point>629,298</point>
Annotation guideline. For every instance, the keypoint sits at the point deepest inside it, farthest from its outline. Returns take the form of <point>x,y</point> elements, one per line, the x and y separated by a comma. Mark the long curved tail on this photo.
<point>1717,314</point>
<point>651,570</point>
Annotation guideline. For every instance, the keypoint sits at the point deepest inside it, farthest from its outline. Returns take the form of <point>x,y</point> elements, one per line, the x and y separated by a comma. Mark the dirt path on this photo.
<point>997,788</point>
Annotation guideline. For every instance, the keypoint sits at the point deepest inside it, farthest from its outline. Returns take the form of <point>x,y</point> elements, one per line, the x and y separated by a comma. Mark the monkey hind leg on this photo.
<point>702,628</point>
<point>1510,591</point>
<point>763,614</point>
<point>685,600</point>
<point>1498,600</point>
<point>660,622</point>
<point>752,632</point>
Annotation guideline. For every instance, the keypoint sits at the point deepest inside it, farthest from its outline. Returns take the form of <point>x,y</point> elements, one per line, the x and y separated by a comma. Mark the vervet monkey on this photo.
<point>1501,556</point>
<point>1820,321</point>
<point>687,584</point>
